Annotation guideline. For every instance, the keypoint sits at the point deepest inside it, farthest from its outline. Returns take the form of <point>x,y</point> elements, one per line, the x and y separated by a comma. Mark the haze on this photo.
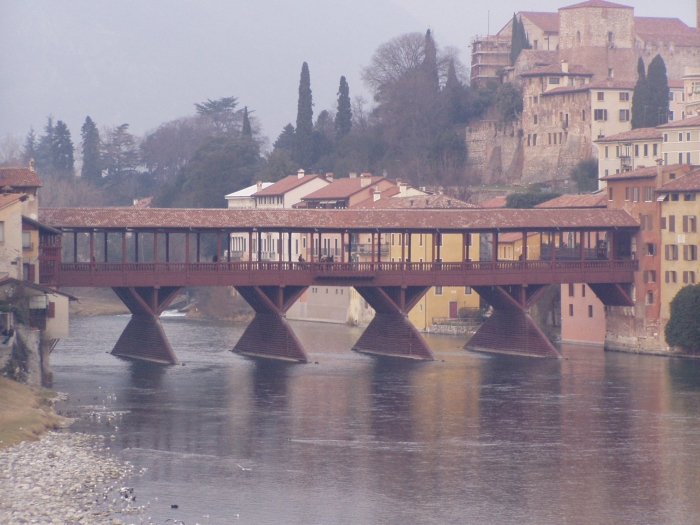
<point>145,63</point>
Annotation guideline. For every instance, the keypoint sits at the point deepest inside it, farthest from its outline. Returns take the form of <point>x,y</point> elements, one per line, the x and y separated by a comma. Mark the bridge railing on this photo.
<point>343,268</point>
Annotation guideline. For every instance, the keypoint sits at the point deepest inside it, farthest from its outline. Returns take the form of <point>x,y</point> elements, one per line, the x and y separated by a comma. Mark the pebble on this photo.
<point>57,480</point>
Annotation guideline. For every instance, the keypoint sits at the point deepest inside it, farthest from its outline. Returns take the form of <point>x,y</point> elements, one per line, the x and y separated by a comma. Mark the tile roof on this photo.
<point>342,188</point>
<point>8,198</point>
<point>685,123</point>
<point>416,202</point>
<point>596,3</point>
<point>334,220</point>
<point>635,134</point>
<point>547,22</point>
<point>589,200</point>
<point>677,84</point>
<point>286,184</point>
<point>666,30</point>
<point>495,202</point>
<point>599,84</point>
<point>690,182</point>
<point>555,69</point>
<point>19,178</point>
<point>644,173</point>
<point>250,190</point>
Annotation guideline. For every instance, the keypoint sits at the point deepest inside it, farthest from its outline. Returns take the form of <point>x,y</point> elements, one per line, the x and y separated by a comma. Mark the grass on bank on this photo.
<point>25,413</point>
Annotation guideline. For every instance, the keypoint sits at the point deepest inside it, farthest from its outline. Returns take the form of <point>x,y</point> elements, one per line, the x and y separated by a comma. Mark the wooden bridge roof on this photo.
<point>502,219</point>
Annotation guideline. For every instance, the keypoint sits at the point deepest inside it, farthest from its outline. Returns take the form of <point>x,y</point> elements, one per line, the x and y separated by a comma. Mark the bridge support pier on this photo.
<point>269,335</point>
<point>510,329</point>
<point>144,338</point>
<point>390,333</point>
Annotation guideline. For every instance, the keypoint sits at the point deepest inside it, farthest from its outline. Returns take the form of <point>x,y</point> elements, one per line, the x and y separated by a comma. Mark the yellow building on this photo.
<point>680,208</point>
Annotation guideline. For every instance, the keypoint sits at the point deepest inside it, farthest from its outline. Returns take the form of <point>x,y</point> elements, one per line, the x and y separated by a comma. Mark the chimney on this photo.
<point>329,177</point>
<point>353,175</point>
<point>365,179</point>
<point>136,202</point>
<point>565,64</point>
<point>300,174</point>
<point>660,171</point>
<point>403,189</point>
<point>258,186</point>
<point>377,194</point>
<point>31,159</point>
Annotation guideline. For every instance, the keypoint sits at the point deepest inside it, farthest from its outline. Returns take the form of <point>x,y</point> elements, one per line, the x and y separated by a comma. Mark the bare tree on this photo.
<point>10,150</point>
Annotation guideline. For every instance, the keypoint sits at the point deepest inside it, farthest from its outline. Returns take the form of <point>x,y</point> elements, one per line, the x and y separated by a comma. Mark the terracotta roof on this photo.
<point>334,220</point>
<point>19,178</point>
<point>635,134</point>
<point>599,84</point>
<point>495,202</point>
<point>665,30</point>
<point>555,69</point>
<point>8,198</point>
<point>589,200</point>
<point>685,123</point>
<point>342,188</point>
<point>286,184</point>
<point>547,22</point>
<point>677,84</point>
<point>596,3</point>
<point>416,202</point>
<point>690,182</point>
<point>644,173</point>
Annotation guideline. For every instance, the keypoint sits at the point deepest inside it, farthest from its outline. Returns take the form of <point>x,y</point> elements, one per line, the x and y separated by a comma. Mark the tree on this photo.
<point>285,140</point>
<point>529,199</point>
<point>62,150</point>
<point>44,148</point>
<point>640,98</point>
<point>222,113</point>
<point>304,138</point>
<point>430,66</point>
<point>246,130</point>
<point>658,91</point>
<point>585,174</point>
<point>509,101</point>
<point>518,40</point>
<point>276,165</point>
<point>92,162</point>
<point>343,116</point>
<point>29,148</point>
<point>120,153</point>
<point>683,327</point>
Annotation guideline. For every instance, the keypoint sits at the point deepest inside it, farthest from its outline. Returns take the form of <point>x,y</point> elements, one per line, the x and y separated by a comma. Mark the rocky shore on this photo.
<point>66,479</point>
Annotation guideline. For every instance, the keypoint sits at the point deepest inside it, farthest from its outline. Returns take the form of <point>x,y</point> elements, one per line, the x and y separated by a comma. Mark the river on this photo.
<point>469,438</point>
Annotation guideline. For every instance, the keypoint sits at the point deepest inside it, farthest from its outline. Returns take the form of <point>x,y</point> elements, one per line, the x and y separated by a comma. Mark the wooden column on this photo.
<point>155,247</point>
<point>279,247</point>
<point>553,245</point>
<point>410,256</point>
<point>439,246</point>
<point>106,248</point>
<point>403,247</point>
<point>198,247</point>
<point>92,246</point>
<point>250,246</point>
<point>167,247</point>
<point>372,247</point>
<point>187,249</point>
<point>524,251</point>
<point>494,245</point>
<point>289,246</point>
<point>136,246</point>
<point>218,246</point>
<point>379,246</point>
<point>75,247</point>
<point>123,247</point>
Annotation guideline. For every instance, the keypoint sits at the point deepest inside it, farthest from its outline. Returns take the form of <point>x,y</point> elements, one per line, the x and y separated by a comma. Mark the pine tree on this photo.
<point>92,161</point>
<point>454,96</point>
<point>246,129</point>
<point>62,149</point>
<point>343,117</point>
<point>518,40</point>
<point>29,148</point>
<point>430,67</point>
<point>285,140</point>
<point>304,134</point>
<point>658,91</point>
<point>640,98</point>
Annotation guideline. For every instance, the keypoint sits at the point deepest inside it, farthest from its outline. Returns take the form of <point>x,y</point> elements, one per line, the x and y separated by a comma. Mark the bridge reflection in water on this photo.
<point>147,256</point>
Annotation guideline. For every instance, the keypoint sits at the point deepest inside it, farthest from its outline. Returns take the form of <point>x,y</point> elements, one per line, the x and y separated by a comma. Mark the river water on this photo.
<point>596,438</point>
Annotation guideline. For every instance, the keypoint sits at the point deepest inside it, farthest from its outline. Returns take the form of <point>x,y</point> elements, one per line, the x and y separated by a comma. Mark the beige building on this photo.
<point>244,198</point>
<point>681,141</point>
<point>11,238</point>
<point>691,91</point>
<point>638,148</point>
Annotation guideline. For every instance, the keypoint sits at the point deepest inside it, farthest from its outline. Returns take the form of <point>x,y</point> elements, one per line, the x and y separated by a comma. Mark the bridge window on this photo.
<point>438,290</point>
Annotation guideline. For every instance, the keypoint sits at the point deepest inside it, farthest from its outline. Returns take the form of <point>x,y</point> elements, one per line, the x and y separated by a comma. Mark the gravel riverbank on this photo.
<point>67,479</point>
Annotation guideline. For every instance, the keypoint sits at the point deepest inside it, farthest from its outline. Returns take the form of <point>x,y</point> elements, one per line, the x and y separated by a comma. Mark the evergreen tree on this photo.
<point>304,134</point>
<point>44,148</point>
<point>683,328</point>
<point>92,162</point>
<point>658,91</point>
<point>518,40</point>
<point>343,117</point>
<point>285,140</point>
<point>62,149</point>
<point>29,148</point>
<point>246,130</point>
<point>640,98</point>
<point>454,95</point>
<point>430,67</point>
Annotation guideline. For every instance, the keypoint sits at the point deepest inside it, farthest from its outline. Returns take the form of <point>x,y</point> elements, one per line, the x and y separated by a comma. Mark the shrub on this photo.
<point>683,328</point>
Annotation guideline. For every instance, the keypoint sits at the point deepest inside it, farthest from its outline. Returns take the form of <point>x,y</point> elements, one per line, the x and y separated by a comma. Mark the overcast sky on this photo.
<point>145,62</point>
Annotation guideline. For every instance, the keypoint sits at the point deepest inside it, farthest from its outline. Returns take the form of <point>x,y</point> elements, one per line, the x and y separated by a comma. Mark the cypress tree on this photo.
<point>246,130</point>
<point>658,91</point>
<point>44,148</point>
<point>92,165</point>
<point>430,67</point>
<point>640,98</point>
<point>454,95</point>
<point>343,117</point>
<point>518,39</point>
<point>29,148</point>
<point>304,134</point>
<point>62,149</point>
